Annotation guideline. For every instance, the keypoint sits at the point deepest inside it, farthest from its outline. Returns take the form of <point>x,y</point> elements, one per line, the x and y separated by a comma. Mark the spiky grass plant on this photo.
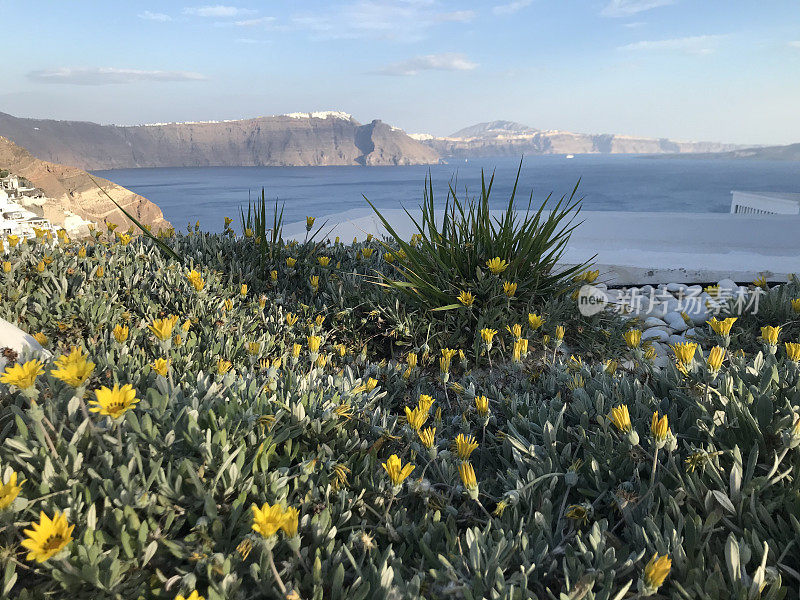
<point>464,249</point>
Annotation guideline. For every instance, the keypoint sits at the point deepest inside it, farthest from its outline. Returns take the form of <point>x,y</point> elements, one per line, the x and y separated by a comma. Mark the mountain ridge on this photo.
<point>297,139</point>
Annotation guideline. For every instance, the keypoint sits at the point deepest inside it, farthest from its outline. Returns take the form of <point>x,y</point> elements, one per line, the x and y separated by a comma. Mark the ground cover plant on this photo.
<point>259,419</point>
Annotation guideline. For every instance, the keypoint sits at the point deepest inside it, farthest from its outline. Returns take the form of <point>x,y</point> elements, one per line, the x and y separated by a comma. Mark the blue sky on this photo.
<point>720,70</point>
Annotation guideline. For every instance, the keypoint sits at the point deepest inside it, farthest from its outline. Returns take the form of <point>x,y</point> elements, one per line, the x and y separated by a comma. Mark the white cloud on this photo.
<point>400,20</point>
<point>430,62</point>
<point>108,75</point>
<point>795,44</point>
<point>625,8</point>
<point>457,16</point>
<point>511,7</point>
<point>699,44</point>
<point>151,16</point>
<point>254,22</point>
<point>218,10</point>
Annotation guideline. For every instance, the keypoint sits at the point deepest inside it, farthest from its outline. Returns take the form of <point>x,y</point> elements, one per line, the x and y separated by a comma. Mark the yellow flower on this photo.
<point>656,571</point>
<point>496,265</point>
<point>223,366</point>
<point>120,333</point>
<point>310,222</point>
<point>162,328</point>
<point>160,366</point>
<point>535,321</point>
<point>41,338</point>
<point>793,351</point>
<point>412,359</point>
<point>578,512</point>
<point>515,330</point>
<point>248,232</point>
<point>723,327</point>
<point>296,350</point>
<point>466,298</point>
<point>262,300</point>
<point>48,537</point>
<point>290,262</point>
<point>367,252</point>
<point>291,318</point>
<point>621,418</point>
<point>273,275</point>
<point>228,222</point>
<point>187,325</point>
<point>243,289</point>
<point>13,240</point>
<point>194,595</point>
<point>426,436</point>
<point>341,349</point>
<point>73,369</point>
<point>324,261</point>
<point>291,518</point>
<point>760,282</point>
<point>659,427</point>
<point>467,474</point>
<point>509,289</point>
<point>770,334</point>
<point>397,472</point>
<point>520,349</point>
<point>488,335</point>
<point>40,266</point>
<point>591,276</point>
<point>559,333</point>
<point>610,366</point>
<point>313,343</point>
<point>371,383</point>
<point>111,226</point>
<point>633,338</point>
<point>7,266</point>
<point>314,281</point>
<point>416,418</point>
<point>267,520</point>
<point>9,491</point>
<point>22,375</point>
<point>715,357</point>
<point>444,361</point>
<point>388,257</point>
<point>796,305</point>
<point>125,239</point>
<point>425,402</point>
<point>482,405</point>
<point>114,402</point>
<point>465,445</point>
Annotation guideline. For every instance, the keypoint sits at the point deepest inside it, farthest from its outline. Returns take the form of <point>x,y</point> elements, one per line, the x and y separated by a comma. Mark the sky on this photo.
<point>715,70</point>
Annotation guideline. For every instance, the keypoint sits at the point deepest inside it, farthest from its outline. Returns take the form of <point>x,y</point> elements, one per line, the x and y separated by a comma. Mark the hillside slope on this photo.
<point>71,192</point>
<point>300,139</point>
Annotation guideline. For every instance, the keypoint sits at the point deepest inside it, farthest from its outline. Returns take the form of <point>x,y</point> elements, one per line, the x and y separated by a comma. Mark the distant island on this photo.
<point>507,138</point>
<point>327,138</point>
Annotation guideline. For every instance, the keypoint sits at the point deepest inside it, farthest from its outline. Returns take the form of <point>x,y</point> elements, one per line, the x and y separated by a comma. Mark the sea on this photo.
<point>605,183</point>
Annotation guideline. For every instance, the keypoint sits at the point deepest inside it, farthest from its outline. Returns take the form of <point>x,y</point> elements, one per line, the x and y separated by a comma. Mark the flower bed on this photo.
<point>208,431</point>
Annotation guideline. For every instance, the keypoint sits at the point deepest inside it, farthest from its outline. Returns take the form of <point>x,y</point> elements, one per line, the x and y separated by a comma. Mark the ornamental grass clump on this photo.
<point>467,265</point>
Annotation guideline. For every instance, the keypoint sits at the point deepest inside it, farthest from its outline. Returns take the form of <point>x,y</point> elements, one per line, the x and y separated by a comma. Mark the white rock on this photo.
<point>677,339</point>
<point>690,333</point>
<point>660,349</point>
<point>653,322</point>
<point>646,290</point>
<point>24,344</point>
<point>655,334</point>
<point>727,284</point>
<point>662,362</point>
<point>676,287</point>
<point>601,286</point>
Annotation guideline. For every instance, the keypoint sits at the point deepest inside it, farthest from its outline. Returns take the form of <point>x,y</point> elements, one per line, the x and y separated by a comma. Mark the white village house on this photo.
<point>15,219</point>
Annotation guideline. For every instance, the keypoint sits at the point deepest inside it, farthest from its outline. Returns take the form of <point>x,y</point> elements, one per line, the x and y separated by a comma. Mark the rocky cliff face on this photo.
<point>505,138</point>
<point>299,140</point>
<point>72,196</point>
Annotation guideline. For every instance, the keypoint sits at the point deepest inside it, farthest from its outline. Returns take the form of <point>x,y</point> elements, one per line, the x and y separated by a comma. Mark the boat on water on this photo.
<point>570,156</point>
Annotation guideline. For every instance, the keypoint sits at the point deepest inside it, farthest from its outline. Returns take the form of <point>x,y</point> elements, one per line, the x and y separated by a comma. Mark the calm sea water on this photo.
<point>630,183</point>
